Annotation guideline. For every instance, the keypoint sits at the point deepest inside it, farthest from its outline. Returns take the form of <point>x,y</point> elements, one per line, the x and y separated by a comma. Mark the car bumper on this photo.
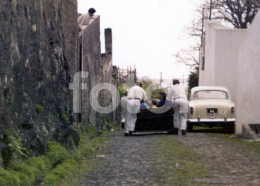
<point>211,120</point>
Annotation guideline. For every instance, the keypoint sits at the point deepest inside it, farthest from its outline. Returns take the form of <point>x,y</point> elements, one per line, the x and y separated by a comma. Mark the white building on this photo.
<point>232,59</point>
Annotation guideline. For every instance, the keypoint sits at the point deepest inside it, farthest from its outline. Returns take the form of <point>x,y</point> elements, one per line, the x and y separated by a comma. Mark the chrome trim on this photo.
<point>212,120</point>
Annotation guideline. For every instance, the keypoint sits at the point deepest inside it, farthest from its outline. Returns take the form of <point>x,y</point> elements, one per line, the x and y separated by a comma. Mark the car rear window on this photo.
<point>210,94</point>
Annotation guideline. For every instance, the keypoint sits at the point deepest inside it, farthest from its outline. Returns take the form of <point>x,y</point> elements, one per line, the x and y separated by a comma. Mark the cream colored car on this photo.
<point>211,106</point>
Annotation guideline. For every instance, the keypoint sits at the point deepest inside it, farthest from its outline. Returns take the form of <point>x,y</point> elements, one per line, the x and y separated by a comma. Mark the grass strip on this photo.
<point>240,142</point>
<point>177,163</point>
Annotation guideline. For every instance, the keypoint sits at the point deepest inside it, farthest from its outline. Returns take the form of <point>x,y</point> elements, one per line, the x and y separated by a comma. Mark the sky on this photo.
<point>146,33</point>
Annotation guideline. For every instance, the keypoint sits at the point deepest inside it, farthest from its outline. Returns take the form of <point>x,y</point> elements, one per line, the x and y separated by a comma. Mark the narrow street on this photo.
<point>161,159</point>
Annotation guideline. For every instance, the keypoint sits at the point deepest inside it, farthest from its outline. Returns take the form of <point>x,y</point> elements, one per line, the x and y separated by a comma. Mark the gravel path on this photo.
<point>133,161</point>
<point>228,162</point>
<point>128,161</point>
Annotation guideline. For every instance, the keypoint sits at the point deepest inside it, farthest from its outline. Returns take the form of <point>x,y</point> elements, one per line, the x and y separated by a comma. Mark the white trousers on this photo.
<point>132,108</point>
<point>123,115</point>
<point>180,113</point>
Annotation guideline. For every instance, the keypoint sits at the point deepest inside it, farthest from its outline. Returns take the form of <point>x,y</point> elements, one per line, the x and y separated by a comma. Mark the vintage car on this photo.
<point>211,106</point>
<point>158,119</point>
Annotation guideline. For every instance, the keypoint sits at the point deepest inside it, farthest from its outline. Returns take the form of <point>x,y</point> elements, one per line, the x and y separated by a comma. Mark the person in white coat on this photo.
<point>123,109</point>
<point>136,95</point>
<point>85,19</point>
<point>180,104</point>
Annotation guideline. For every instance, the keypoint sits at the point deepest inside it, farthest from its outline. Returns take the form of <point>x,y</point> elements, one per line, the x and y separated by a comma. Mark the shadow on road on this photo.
<point>209,130</point>
<point>139,134</point>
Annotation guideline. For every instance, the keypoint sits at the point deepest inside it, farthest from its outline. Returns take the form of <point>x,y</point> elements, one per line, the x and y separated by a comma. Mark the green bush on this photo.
<point>40,166</point>
<point>67,167</point>
<point>91,131</point>
<point>77,156</point>
<point>15,150</point>
<point>95,143</point>
<point>53,167</point>
<point>9,178</point>
<point>121,90</point>
<point>25,180</point>
<point>66,119</point>
<point>51,180</point>
<point>39,108</point>
<point>112,126</point>
<point>26,172</point>
<point>156,93</point>
<point>56,153</point>
<point>85,147</point>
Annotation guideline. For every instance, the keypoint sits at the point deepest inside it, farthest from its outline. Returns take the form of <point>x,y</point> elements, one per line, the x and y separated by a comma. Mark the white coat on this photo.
<point>135,95</point>
<point>180,104</point>
<point>123,103</point>
<point>84,19</point>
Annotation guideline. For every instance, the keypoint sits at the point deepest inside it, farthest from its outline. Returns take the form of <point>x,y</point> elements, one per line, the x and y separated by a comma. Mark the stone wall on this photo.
<point>91,61</point>
<point>99,68</point>
<point>38,57</point>
<point>107,71</point>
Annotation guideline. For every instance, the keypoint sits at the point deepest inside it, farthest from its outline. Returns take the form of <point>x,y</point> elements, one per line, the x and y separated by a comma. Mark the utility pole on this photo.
<point>210,9</point>
<point>161,80</point>
<point>202,26</point>
<point>135,78</point>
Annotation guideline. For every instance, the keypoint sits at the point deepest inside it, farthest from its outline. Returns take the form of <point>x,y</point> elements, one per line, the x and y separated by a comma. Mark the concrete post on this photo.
<point>108,40</point>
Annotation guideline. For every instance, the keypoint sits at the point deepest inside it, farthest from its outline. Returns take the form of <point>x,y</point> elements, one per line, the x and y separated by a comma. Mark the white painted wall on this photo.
<point>248,76</point>
<point>222,47</point>
<point>210,48</point>
<point>221,55</point>
<point>226,58</point>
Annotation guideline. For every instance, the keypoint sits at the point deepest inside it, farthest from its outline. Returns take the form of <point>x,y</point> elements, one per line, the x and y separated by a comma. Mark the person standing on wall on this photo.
<point>85,19</point>
<point>136,95</point>
<point>180,104</point>
<point>123,109</point>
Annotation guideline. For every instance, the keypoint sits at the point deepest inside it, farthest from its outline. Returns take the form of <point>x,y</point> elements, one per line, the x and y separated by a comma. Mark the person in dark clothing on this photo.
<point>162,98</point>
<point>160,102</point>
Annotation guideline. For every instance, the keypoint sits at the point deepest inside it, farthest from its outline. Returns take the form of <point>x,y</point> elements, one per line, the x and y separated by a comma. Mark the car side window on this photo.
<point>195,96</point>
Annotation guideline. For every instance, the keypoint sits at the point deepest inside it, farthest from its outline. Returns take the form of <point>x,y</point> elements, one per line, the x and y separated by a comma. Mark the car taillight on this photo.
<point>232,110</point>
<point>191,110</point>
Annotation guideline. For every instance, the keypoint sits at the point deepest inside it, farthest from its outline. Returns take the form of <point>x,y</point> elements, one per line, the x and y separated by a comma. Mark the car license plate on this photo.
<point>212,111</point>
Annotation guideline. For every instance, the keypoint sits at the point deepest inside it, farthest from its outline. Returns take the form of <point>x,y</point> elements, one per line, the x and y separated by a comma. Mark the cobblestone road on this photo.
<point>133,161</point>
<point>228,162</point>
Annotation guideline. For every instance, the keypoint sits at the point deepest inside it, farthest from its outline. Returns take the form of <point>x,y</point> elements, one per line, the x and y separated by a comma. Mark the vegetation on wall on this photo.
<point>15,149</point>
<point>55,165</point>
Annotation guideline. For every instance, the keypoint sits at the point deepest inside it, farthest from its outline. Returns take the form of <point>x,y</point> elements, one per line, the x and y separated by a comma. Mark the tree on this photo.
<point>240,13</point>
<point>189,56</point>
<point>193,80</point>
